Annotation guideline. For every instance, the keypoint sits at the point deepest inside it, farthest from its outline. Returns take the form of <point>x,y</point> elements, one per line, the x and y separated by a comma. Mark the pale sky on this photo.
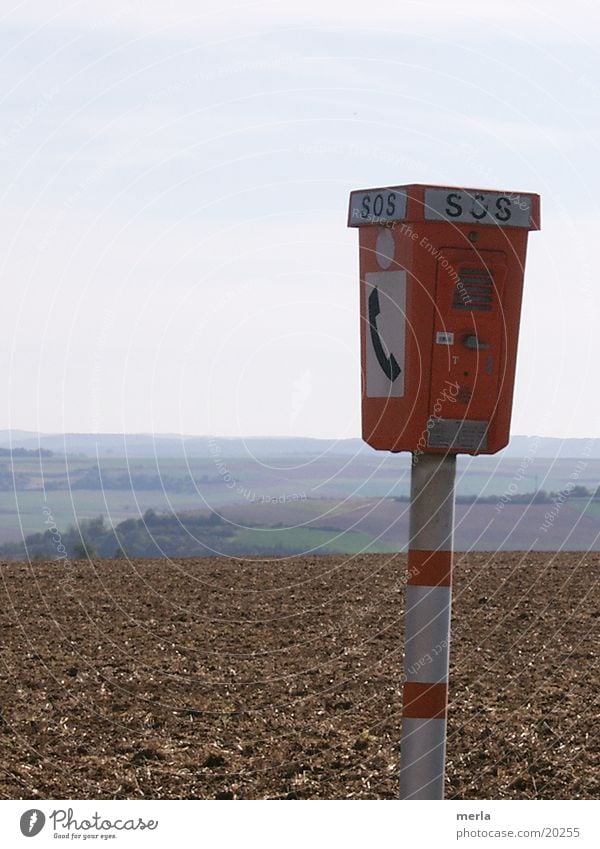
<point>175,180</point>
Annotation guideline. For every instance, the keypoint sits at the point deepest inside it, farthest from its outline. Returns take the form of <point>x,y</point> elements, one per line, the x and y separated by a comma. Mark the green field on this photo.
<point>308,540</point>
<point>315,497</point>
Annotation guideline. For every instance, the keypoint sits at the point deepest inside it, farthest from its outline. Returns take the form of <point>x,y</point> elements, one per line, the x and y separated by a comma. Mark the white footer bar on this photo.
<point>287,825</point>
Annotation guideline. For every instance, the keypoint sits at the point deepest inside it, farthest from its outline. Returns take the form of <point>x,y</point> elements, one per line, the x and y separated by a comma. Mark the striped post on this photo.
<point>427,627</point>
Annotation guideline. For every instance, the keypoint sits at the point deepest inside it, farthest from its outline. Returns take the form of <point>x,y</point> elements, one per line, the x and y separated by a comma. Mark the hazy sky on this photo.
<point>175,178</point>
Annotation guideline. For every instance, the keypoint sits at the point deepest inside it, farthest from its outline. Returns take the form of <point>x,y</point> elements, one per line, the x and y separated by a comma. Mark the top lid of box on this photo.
<point>417,202</point>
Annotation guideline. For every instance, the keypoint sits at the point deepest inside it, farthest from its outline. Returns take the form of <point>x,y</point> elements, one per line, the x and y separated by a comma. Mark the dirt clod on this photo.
<point>211,679</point>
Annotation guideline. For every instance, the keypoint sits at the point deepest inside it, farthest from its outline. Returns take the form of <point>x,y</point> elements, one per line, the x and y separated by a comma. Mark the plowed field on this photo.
<point>280,678</point>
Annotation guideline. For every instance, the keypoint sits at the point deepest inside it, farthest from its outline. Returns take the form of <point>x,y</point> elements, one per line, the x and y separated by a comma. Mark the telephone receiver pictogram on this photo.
<point>389,365</point>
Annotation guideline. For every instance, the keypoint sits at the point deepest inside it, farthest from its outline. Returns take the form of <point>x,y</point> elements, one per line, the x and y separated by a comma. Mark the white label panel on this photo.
<point>501,209</point>
<point>385,311</point>
<point>457,433</point>
<point>376,206</point>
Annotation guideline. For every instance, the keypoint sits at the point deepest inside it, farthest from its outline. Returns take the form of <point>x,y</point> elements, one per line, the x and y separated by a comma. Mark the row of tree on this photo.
<point>154,535</point>
<point>93,478</point>
<point>540,496</point>
<point>25,452</point>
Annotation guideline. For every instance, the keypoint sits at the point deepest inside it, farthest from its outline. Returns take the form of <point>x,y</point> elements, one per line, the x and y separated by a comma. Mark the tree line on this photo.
<point>153,535</point>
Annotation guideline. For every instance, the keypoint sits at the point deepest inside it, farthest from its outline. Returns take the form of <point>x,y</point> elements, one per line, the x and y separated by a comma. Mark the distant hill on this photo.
<point>174,445</point>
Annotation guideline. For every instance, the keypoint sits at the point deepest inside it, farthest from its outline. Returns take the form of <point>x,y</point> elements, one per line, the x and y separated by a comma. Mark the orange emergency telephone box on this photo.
<point>441,283</point>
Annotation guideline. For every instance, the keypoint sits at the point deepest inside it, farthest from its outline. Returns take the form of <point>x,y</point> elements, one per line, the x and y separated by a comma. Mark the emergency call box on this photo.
<point>441,283</point>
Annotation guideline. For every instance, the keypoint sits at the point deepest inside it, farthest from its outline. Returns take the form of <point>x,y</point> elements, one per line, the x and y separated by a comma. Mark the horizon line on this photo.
<point>174,435</point>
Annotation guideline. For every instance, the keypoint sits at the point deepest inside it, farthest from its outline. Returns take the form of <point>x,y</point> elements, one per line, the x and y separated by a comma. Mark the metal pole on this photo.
<point>427,627</point>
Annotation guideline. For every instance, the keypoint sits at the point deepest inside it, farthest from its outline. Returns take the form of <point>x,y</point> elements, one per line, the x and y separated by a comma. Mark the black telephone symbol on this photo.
<point>389,365</point>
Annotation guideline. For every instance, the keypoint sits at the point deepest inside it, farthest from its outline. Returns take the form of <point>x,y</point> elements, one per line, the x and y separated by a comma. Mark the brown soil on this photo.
<point>280,679</point>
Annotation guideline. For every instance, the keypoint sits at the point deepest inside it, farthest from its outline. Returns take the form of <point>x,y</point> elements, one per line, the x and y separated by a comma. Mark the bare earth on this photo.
<point>280,678</point>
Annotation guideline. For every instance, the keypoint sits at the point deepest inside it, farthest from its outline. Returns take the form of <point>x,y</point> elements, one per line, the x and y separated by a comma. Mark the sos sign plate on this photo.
<point>377,206</point>
<point>465,206</point>
<point>504,209</point>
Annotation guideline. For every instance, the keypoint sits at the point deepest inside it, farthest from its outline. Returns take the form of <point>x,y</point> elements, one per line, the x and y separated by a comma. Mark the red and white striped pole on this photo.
<point>427,627</point>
